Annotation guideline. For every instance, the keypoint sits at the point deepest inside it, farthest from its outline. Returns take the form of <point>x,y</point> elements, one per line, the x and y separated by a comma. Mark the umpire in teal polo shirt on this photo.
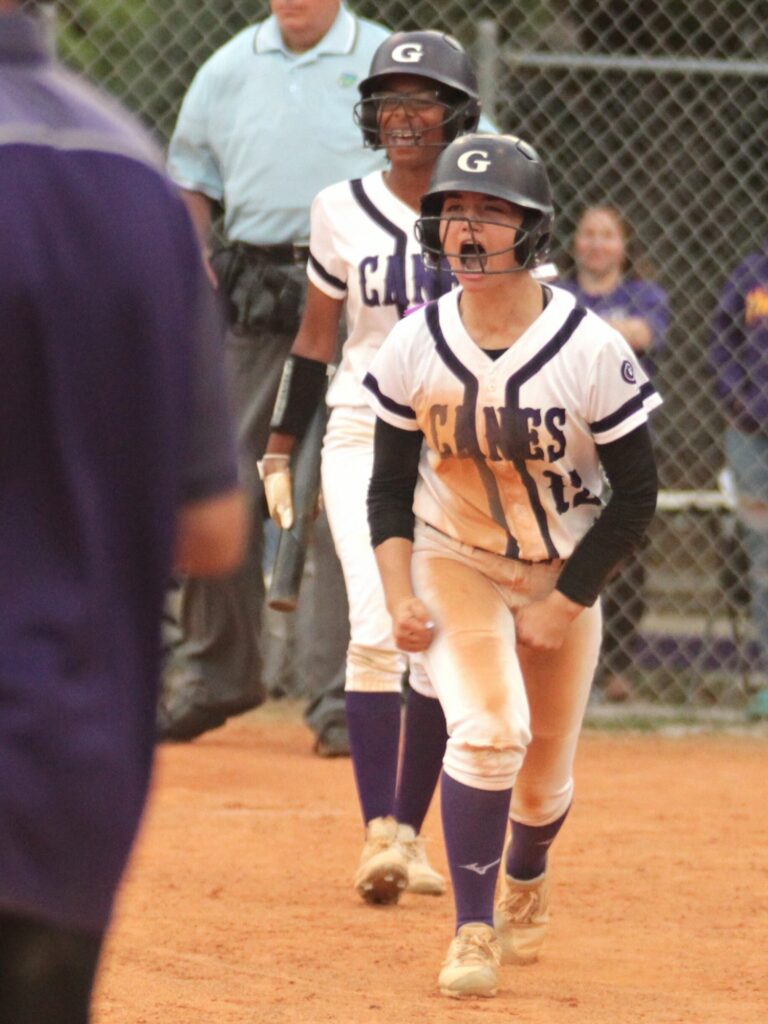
<point>266,124</point>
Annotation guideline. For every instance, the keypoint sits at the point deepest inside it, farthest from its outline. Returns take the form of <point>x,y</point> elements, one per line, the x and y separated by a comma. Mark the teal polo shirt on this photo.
<point>262,130</point>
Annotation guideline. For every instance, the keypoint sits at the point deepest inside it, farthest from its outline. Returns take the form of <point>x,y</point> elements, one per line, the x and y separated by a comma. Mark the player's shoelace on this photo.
<point>378,844</point>
<point>521,905</point>
<point>472,949</point>
<point>414,851</point>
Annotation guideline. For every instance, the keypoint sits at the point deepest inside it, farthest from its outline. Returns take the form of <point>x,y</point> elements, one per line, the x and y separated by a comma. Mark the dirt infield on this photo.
<point>238,907</point>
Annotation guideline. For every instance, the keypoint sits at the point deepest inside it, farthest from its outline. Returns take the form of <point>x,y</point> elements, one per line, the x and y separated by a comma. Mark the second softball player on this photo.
<point>365,261</point>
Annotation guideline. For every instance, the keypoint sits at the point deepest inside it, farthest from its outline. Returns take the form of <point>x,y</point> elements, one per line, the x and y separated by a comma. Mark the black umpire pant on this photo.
<point>214,664</point>
<point>46,973</point>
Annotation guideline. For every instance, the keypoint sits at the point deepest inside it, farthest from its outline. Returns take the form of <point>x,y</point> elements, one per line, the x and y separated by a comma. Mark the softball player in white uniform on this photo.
<point>365,261</point>
<point>503,399</point>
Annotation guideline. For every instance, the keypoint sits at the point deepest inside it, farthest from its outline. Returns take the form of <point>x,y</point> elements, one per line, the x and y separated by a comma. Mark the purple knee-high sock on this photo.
<point>424,739</point>
<point>474,823</point>
<point>527,854</point>
<point>373,721</point>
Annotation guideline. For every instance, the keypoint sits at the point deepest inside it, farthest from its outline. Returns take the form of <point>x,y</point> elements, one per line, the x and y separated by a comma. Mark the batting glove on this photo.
<point>275,471</point>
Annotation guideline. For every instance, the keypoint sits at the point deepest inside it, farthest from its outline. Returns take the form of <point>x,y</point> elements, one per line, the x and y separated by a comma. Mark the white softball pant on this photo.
<point>374,664</point>
<point>513,714</point>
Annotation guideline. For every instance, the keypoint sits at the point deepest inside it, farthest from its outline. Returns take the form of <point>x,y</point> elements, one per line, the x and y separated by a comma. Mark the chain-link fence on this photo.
<point>656,107</point>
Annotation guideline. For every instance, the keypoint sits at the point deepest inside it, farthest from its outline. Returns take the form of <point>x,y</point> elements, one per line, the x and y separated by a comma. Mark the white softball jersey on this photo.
<point>510,465</point>
<point>363,250</point>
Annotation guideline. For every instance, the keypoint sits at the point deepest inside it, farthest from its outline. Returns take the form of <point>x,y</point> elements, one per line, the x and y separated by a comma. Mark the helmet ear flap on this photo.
<point>471,116</point>
<point>535,245</point>
<point>543,243</point>
<point>366,118</point>
<point>464,116</point>
<point>427,232</point>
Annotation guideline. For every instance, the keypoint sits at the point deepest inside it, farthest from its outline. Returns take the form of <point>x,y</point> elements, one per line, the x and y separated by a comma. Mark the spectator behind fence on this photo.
<point>266,124</point>
<point>116,449</point>
<point>739,355</point>
<point>607,282</point>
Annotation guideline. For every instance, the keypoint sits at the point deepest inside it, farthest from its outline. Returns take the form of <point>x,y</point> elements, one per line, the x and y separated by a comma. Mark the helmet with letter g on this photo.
<point>502,166</point>
<point>441,61</point>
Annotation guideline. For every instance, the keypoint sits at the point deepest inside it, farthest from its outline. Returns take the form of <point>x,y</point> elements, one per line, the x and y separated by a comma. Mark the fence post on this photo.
<point>487,54</point>
<point>48,21</point>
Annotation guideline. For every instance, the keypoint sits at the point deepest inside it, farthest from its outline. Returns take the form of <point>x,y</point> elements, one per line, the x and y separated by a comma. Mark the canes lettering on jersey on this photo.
<point>364,217</point>
<point>400,280</point>
<point>510,434</point>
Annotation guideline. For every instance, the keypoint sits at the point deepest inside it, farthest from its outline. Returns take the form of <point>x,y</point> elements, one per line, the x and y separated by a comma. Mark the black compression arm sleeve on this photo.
<point>630,466</point>
<point>393,481</point>
<point>302,386</point>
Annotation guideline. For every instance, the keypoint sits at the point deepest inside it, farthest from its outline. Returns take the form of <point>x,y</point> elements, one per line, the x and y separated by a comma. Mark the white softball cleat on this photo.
<point>422,877</point>
<point>521,918</point>
<point>383,873</point>
<point>472,963</point>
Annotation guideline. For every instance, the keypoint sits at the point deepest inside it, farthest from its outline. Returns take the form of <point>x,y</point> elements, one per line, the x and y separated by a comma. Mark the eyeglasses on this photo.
<point>410,102</point>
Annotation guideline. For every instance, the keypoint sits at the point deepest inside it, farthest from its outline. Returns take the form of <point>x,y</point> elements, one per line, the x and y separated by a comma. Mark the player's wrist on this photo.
<point>398,603</point>
<point>273,462</point>
<point>565,605</point>
<point>302,386</point>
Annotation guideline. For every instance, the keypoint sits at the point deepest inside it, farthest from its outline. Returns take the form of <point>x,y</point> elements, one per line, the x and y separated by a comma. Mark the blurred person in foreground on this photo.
<point>265,125</point>
<point>739,356</point>
<point>609,282</point>
<point>117,460</point>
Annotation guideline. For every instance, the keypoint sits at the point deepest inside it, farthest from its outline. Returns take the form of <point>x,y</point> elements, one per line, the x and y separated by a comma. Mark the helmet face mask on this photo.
<point>370,112</point>
<point>499,166</point>
<point>472,254</point>
<point>446,70</point>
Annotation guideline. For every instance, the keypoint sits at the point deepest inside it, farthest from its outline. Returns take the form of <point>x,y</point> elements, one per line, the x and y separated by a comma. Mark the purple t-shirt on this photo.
<point>632,298</point>
<point>112,415</point>
<point>739,350</point>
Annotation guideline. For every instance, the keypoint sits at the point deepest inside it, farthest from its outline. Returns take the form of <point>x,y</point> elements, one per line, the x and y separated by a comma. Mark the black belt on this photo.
<point>290,252</point>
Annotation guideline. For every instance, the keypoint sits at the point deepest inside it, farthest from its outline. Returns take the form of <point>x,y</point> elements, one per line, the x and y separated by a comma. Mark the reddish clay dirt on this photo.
<point>238,907</point>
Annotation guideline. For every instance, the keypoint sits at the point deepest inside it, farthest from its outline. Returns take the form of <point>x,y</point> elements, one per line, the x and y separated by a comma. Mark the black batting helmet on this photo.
<point>435,56</point>
<point>503,166</point>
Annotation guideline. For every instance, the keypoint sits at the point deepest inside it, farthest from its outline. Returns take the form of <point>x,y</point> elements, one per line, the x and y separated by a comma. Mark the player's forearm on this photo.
<point>302,387</point>
<point>280,444</point>
<point>393,558</point>
<point>631,470</point>
<point>310,346</point>
<point>318,335</point>
<point>393,481</point>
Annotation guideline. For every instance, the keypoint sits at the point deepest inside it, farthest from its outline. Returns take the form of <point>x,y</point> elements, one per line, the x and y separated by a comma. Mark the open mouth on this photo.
<point>403,137</point>
<point>473,257</point>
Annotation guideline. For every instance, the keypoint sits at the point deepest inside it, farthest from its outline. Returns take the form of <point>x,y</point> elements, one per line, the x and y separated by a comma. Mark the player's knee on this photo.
<point>486,752</point>
<point>374,670</point>
<point>538,803</point>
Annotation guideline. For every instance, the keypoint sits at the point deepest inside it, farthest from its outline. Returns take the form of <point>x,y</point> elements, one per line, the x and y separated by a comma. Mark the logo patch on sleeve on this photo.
<point>628,372</point>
